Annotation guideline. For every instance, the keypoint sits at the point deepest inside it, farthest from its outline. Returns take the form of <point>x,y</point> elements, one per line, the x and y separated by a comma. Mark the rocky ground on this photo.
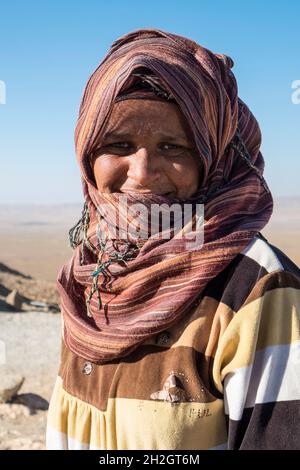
<point>29,357</point>
<point>21,292</point>
<point>34,245</point>
<point>31,343</point>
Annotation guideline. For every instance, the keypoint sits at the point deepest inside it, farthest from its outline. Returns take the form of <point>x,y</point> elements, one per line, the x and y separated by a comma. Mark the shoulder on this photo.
<point>265,322</point>
<point>269,256</point>
<point>259,266</point>
<point>281,279</point>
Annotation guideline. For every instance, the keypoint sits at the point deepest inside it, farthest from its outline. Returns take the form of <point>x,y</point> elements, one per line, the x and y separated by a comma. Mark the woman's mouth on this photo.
<point>138,191</point>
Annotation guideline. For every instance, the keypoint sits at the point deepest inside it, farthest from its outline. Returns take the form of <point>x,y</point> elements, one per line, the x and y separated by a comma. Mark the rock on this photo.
<point>32,401</point>
<point>54,308</point>
<point>5,307</point>
<point>38,304</point>
<point>46,307</point>
<point>15,300</point>
<point>9,384</point>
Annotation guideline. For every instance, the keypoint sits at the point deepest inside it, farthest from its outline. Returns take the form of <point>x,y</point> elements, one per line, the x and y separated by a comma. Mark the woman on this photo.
<point>186,338</point>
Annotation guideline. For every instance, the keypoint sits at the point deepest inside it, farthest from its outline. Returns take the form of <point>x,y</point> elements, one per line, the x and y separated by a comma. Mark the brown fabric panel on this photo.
<point>188,352</point>
<point>279,279</point>
<point>137,376</point>
<point>201,328</point>
<point>191,345</point>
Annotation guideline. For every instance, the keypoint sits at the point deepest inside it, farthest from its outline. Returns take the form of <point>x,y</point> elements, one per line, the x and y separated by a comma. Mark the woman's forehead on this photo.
<point>141,116</point>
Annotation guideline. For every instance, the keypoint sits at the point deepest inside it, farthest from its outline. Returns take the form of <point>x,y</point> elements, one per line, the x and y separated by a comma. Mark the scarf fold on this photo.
<point>115,291</point>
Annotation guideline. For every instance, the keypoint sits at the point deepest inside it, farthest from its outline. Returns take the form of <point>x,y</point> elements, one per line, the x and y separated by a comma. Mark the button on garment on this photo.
<point>87,368</point>
<point>163,337</point>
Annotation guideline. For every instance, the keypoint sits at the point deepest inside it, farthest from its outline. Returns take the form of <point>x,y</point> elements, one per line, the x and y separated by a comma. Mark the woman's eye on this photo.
<point>170,146</point>
<point>122,145</point>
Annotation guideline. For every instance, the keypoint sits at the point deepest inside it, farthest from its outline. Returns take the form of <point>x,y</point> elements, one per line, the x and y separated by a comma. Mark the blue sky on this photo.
<point>48,50</point>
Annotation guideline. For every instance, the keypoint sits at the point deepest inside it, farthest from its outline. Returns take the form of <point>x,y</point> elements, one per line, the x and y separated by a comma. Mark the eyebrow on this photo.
<point>120,135</point>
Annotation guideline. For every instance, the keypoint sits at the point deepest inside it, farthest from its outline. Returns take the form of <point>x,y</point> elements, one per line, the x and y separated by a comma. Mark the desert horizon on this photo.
<point>35,236</point>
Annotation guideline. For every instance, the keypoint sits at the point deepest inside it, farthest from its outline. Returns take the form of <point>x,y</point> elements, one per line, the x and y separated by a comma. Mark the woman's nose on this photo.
<point>143,168</point>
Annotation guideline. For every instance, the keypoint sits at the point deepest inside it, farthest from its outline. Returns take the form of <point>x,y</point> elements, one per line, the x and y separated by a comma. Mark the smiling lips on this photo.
<point>169,193</point>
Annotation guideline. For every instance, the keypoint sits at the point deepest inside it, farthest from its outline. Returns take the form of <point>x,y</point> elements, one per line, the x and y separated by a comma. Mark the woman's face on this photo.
<point>148,147</point>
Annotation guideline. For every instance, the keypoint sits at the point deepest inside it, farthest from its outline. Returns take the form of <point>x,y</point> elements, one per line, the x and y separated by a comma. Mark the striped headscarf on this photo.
<point>115,295</point>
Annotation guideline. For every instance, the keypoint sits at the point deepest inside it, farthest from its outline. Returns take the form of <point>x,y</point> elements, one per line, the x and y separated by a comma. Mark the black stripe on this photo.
<point>233,285</point>
<point>267,426</point>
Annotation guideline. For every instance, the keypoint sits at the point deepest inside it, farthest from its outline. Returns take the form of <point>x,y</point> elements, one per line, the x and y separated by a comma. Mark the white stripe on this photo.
<point>274,376</point>
<point>262,253</point>
<point>236,386</point>
<point>56,440</point>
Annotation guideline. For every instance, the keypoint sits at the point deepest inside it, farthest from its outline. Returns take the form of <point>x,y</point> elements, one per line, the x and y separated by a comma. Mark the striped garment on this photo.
<point>227,376</point>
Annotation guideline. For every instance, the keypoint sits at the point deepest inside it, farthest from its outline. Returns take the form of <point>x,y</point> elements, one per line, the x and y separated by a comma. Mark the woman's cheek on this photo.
<point>185,175</point>
<point>108,171</point>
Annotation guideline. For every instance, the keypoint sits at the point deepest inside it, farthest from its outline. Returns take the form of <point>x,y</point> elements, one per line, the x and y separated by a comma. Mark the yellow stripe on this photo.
<point>267,321</point>
<point>211,318</point>
<point>138,424</point>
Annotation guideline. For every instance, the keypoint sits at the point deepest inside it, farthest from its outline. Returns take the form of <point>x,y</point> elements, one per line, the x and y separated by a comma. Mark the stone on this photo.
<point>14,299</point>
<point>32,401</point>
<point>10,384</point>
